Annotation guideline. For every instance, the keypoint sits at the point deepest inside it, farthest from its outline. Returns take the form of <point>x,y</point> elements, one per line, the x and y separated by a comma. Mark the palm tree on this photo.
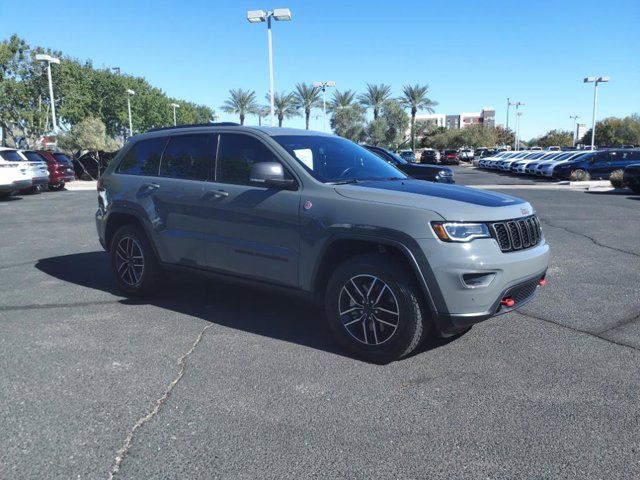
<point>341,100</point>
<point>415,98</point>
<point>284,105</point>
<point>240,102</point>
<point>262,111</point>
<point>375,97</point>
<point>306,97</point>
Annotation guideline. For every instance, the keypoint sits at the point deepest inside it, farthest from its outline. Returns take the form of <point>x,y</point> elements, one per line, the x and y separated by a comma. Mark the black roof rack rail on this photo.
<point>212,124</point>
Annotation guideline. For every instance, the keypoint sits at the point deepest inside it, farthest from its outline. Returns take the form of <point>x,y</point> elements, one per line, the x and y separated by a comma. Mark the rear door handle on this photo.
<point>151,186</point>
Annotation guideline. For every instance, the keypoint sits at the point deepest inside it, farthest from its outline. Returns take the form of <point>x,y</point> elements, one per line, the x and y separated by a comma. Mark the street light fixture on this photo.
<point>129,93</point>
<point>323,86</point>
<point>259,16</point>
<point>595,81</point>
<point>174,105</point>
<point>42,57</point>
<point>575,132</point>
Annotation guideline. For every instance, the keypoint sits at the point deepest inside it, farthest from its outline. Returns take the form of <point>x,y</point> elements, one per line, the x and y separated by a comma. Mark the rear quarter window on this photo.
<point>143,158</point>
<point>11,156</point>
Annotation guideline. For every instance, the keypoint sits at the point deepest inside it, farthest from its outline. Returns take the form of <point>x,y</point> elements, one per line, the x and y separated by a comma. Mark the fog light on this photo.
<point>475,280</point>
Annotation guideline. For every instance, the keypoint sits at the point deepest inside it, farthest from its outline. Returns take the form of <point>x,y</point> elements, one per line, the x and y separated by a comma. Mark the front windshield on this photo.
<point>335,159</point>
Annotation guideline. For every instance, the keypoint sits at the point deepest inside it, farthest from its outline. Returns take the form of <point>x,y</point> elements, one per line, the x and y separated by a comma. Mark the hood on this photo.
<point>451,202</point>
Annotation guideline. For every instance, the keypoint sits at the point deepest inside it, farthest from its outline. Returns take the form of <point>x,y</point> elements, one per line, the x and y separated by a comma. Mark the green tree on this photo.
<point>307,97</point>
<point>397,122</point>
<point>349,122</point>
<point>241,102</point>
<point>284,105</point>
<point>613,132</point>
<point>414,97</point>
<point>560,138</point>
<point>376,132</point>
<point>374,97</point>
<point>89,134</point>
<point>341,100</point>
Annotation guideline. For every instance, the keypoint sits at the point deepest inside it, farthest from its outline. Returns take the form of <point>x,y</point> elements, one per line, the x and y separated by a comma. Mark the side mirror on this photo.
<point>270,174</point>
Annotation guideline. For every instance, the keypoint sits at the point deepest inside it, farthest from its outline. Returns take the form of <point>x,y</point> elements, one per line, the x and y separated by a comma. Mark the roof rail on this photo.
<point>212,124</point>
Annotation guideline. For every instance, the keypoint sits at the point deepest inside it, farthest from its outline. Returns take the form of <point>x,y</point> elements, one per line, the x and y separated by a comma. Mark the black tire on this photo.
<point>393,283</point>
<point>30,190</point>
<point>57,188</point>
<point>5,195</point>
<point>129,277</point>
<point>636,188</point>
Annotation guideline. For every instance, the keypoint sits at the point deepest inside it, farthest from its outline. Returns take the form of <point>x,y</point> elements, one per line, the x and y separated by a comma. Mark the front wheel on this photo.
<point>373,308</point>
<point>57,188</point>
<point>133,261</point>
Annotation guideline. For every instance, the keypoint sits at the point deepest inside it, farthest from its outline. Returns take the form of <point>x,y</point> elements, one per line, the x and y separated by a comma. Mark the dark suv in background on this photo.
<point>394,260</point>
<point>431,173</point>
<point>598,164</point>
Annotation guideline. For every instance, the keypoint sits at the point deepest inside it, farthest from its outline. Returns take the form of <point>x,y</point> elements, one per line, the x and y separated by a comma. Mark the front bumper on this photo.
<point>462,305</point>
<point>36,181</point>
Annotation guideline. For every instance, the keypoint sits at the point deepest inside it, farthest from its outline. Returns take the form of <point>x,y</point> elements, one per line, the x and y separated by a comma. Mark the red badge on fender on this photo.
<point>307,205</point>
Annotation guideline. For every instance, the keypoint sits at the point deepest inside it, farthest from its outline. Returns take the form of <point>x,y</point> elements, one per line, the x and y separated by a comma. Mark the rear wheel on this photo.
<point>58,187</point>
<point>133,261</point>
<point>5,195</point>
<point>373,308</point>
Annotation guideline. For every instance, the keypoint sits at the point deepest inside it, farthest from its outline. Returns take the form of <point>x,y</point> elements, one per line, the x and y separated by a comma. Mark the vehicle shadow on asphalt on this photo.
<point>256,311</point>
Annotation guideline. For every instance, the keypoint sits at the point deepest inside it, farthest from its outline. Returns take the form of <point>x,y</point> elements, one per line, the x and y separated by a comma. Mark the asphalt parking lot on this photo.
<point>212,381</point>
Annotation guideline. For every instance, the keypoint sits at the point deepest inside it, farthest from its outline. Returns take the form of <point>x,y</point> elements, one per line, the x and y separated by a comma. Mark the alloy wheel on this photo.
<point>129,261</point>
<point>368,309</point>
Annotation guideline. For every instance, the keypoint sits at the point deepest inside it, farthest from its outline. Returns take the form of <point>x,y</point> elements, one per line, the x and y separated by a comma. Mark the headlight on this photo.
<point>460,232</point>
<point>445,173</point>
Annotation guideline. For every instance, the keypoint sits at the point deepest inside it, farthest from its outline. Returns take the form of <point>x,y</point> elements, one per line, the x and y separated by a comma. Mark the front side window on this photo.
<point>143,158</point>
<point>335,159</point>
<point>189,157</point>
<point>62,158</point>
<point>237,153</point>
<point>33,157</point>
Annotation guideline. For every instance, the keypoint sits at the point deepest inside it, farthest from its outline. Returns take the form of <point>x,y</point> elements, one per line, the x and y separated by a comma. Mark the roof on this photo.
<point>271,131</point>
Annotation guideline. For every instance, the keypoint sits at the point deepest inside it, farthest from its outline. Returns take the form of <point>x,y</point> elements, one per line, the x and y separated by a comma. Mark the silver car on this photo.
<point>393,260</point>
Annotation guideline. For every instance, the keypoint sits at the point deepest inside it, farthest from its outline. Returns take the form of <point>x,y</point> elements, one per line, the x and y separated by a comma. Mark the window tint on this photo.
<point>236,154</point>
<point>189,157</point>
<point>143,158</point>
<point>62,158</point>
<point>33,157</point>
<point>11,156</point>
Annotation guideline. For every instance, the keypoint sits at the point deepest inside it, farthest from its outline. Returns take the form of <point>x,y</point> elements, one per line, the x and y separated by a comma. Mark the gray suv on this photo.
<point>393,259</point>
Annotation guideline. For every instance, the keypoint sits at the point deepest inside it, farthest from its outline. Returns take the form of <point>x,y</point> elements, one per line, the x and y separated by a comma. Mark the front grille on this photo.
<point>517,234</point>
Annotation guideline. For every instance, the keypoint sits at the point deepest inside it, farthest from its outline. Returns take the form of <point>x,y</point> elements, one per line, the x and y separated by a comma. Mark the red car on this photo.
<point>450,157</point>
<point>60,169</point>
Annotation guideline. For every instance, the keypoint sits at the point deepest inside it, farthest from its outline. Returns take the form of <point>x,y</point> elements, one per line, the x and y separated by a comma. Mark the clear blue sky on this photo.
<point>471,53</point>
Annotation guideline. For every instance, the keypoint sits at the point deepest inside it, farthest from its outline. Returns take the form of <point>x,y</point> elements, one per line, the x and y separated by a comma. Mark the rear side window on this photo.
<point>236,154</point>
<point>190,157</point>
<point>34,157</point>
<point>143,158</point>
<point>62,158</point>
<point>11,156</point>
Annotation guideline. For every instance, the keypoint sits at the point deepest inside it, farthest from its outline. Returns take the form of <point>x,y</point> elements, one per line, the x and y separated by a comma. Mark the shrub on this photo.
<point>616,178</point>
<point>579,176</point>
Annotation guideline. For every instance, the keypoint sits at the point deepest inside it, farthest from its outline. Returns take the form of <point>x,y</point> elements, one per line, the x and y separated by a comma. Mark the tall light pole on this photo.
<point>174,105</point>
<point>518,115</point>
<point>258,16</point>
<point>516,104</point>
<point>595,81</point>
<point>575,120</point>
<point>129,94</point>
<point>323,86</point>
<point>41,57</point>
<point>508,106</point>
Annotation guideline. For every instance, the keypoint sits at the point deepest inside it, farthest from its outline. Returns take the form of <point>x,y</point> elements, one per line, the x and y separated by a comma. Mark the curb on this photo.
<point>81,186</point>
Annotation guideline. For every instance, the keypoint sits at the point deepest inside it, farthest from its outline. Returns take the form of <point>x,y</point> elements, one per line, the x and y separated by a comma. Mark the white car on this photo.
<point>490,162</point>
<point>38,168</point>
<point>505,165</point>
<point>545,169</point>
<point>532,167</point>
<point>465,154</point>
<point>520,166</point>
<point>14,172</point>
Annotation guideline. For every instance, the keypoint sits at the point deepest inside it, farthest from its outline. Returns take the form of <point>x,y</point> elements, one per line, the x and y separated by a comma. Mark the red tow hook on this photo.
<point>508,302</point>
<point>542,282</point>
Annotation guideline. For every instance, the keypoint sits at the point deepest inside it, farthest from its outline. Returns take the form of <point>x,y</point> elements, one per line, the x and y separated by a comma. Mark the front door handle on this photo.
<point>151,186</point>
<point>220,194</point>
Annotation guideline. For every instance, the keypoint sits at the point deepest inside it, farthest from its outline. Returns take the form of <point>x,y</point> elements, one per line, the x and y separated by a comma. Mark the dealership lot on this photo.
<point>265,393</point>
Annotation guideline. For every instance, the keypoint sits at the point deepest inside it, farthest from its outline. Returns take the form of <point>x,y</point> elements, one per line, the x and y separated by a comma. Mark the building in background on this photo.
<point>487,116</point>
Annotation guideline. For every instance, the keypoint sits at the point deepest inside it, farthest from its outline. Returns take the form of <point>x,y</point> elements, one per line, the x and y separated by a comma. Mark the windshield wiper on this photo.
<point>345,181</point>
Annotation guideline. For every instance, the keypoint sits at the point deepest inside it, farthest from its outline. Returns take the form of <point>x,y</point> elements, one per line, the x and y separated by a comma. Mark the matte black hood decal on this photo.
<point>448,191</point>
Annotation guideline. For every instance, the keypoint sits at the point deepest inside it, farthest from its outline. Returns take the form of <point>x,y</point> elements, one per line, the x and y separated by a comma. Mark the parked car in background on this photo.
<point>465,154</point>
<point>14,172</point>
<point>60,169</point>
<point>429,155</point>
<point>598,164</point>
<point>519,166</point>
<point>431,173</point>
<point>554,149</point>
<point>450,157</point>
<point>535,149</point>
<point>631,177</point>
<point>408,155</point>
<point>39,172</point>
<point>535,167</point>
